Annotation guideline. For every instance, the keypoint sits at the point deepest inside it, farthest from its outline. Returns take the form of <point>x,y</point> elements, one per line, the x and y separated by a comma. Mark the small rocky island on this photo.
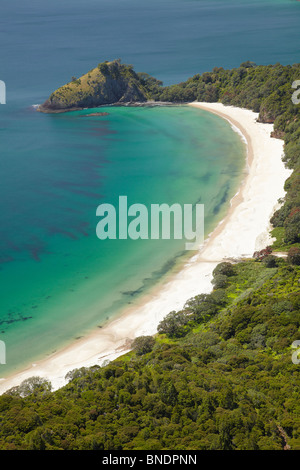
<point>108,83</point>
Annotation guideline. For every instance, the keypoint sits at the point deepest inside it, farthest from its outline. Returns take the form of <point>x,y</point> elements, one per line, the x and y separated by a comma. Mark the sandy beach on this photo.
<point>244,230</point>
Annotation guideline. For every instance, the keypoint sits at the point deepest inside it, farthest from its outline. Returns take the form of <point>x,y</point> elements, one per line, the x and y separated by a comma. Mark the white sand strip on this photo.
<point>244,230</point>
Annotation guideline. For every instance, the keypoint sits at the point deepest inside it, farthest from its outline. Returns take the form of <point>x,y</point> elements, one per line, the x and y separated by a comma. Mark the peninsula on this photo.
<point>108,83</point>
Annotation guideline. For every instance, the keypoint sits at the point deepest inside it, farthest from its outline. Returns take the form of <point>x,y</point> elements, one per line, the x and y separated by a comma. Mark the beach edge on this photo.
<point>244,229</point>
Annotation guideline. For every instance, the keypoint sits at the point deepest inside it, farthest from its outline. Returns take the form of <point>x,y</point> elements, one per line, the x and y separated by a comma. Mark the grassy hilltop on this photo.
<point>109,82</point>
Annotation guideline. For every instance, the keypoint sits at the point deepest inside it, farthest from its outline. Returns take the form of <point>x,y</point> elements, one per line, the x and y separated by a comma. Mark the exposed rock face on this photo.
<point>277,134</point>
<point>109,83</point>
<point>266,116</point>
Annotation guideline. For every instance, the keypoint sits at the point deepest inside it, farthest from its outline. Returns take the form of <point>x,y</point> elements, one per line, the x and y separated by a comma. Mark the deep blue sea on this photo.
<point>57,279</point>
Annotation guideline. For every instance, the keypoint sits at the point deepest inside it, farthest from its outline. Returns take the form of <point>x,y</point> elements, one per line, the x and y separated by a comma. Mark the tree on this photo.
<point>77,373</point>
<point>248,64</point>
<point>143,345</point>
<point>292,234</point>
<point>173,324</point>
<point>34,385</point>
<point>103,68</point>
<point>270,261</point>
<point>168,393</point>
<point>202,306</point>
<point>219,281</point>
<point>294,256</point>
<point>224,268</point>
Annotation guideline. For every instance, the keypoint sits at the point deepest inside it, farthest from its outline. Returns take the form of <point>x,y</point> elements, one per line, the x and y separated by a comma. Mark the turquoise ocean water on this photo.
<point>57,279</point>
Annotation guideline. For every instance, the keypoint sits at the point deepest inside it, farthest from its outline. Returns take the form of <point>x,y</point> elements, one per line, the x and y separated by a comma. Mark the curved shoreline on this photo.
<point>243,230</point>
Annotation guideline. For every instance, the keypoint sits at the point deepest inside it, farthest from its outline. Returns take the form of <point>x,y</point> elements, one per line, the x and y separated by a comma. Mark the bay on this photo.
<point>57,279</point>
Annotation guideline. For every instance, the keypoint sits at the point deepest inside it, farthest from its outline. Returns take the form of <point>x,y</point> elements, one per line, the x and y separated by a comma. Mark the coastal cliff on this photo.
<point>108,83</point>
